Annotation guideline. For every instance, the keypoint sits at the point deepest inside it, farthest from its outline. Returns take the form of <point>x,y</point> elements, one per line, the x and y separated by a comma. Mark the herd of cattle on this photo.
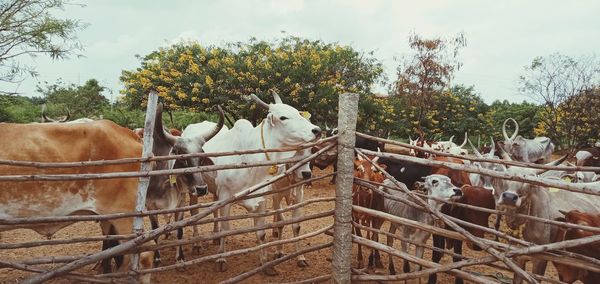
<point>284,126</point>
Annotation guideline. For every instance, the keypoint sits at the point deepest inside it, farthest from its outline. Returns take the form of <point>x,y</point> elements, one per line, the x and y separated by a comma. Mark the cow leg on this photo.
<point>419,250</point>
<point>497,225</point>
<point>278,231</point>
<point>406,266</point>
<point>121,227</point>
<point>436,256</point>
<point>334,175</point>
<point>221,263</point>
<point>517,278</point>
<point>154,224</point>
<point>196,247</point>
<point>260,236</point>
<point>179,254</point>
<point>108,229</point>
<point>297,213</point>
<point>359,257</point>
<point>458,250</point>
<point>215,223</point>
<point>168,221</point>
<point>390,243</point>
<point>376,223</point>
<point>539,266</point>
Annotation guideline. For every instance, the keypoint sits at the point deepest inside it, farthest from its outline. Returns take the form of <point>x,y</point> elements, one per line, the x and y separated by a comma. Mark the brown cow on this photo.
<point>367,198</point>
<point>472,195</point>
<point>570,274</point>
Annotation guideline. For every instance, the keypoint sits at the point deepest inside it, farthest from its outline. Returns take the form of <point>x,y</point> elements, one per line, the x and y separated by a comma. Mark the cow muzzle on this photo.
<point>509,198</point>
<point>200,190</point>
<point>306,175</point>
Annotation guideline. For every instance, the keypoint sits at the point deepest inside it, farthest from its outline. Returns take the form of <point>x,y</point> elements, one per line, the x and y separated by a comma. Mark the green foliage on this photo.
<point>82,101</point>
<point>307,74</point>
<point>31,28</point>
<point>19,109</point>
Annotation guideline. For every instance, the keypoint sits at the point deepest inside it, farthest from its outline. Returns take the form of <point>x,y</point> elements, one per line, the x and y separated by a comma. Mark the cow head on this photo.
<point>487,181</point>
<point>441,187</point>
<point>285,125</point>
<point>330,131</point>
<point>165,143</point>
<point>514,196</point>
<point>515,145</point>
<point>365,170</point>
<point>303,172</point>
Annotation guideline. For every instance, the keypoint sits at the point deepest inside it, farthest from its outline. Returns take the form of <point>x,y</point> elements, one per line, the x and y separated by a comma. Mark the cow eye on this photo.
<point>434,182</point>
<point>283,118</point>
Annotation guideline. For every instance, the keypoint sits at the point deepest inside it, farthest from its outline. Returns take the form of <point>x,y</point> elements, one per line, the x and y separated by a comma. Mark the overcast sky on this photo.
<point>502,36</point>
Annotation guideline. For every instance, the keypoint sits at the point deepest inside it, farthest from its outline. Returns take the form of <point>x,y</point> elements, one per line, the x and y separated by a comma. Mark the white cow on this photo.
<point>537,150</point>
<point>284,126</point>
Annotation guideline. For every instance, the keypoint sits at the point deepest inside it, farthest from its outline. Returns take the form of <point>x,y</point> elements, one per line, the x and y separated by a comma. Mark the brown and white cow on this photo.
<point>570,274</point>
<point>59,142</point>
<point>365,197</point>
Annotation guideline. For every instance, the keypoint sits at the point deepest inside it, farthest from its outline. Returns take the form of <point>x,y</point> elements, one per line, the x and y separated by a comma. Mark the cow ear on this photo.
<point>270,119</point>
<point>207,162</point>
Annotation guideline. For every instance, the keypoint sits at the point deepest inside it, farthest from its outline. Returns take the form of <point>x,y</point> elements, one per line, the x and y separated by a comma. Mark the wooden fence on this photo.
<point>500,255</point>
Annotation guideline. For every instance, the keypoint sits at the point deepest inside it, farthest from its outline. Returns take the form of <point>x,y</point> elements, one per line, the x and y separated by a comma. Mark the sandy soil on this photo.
<point>319,263</point>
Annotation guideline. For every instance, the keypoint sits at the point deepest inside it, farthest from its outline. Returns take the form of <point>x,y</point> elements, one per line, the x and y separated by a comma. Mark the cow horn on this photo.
<point>258,101</point>
<point>219,125</point>
<point>464,142</point>
<point>159,128</point>
<point>492,148</point>
<point>477,153</point>
<point>67,117</point>
<point>326,127</point>
<point>514,135</point>
<point>503,153</point>
<point>451,138</point>
<point>563,212</point>
<point>276,97</point>
<point>553,163</point>
<point>44,117</point>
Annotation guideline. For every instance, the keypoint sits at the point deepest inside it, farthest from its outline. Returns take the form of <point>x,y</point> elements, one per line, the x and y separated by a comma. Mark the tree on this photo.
<point>554,81</point>
<point>28,27</point>
<point>424,75</point>
<point>307,74</point>
<point>82,101</point>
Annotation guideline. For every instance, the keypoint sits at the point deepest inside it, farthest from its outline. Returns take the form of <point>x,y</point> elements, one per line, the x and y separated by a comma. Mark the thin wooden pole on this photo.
<point>342,241</point>
<point>138,222</point>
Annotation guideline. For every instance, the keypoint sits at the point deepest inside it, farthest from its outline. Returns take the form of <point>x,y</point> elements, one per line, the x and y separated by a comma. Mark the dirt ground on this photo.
<point>319,262</point>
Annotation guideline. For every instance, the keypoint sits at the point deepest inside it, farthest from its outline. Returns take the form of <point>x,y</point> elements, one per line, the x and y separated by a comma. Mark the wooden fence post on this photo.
<point>342,237</point>
<point>138,222</point>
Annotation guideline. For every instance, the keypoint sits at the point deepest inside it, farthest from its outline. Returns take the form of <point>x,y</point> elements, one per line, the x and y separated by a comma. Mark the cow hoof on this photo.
<point>270,271</point>
<point>196,249</point>
<point>157,262</point>
<point>302,263</point>
<point>279,255</point>
<point>180,268</point>
<point>221,265</point>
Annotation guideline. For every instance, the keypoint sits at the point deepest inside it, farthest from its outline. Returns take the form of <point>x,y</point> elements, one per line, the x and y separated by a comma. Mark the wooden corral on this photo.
<point>326,237</point>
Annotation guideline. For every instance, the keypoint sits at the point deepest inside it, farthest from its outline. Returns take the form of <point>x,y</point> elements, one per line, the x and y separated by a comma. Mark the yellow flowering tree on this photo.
<point>307,74</point>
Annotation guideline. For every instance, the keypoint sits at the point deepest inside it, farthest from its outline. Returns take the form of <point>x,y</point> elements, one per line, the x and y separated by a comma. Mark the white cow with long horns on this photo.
<point>284,126</point>
<point>537,150</point>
